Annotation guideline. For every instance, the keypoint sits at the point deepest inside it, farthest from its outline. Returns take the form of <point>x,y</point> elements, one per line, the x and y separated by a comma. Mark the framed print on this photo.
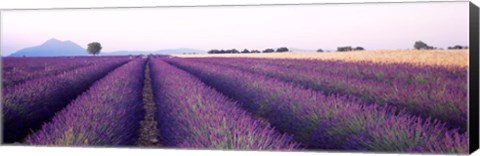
<point>332,77</point>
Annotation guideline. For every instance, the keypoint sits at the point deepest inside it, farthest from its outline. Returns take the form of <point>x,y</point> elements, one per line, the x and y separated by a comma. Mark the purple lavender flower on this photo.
<point>319,120</point>
<point>192,115</point>
<point>27,105</point>
<point>107,114</point>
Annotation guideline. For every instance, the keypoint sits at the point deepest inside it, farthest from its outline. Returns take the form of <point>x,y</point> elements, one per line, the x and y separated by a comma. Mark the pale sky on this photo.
<point>327,26</point>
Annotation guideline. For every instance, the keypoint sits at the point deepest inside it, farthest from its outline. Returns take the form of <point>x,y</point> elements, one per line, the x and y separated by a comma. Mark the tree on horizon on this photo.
<point>94,48</point>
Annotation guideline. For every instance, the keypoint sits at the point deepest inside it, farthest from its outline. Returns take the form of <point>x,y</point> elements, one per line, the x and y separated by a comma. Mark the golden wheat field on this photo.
<point>458,58</point>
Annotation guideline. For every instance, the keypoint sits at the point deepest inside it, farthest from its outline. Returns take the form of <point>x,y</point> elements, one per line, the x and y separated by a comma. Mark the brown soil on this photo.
<point>149,132</point>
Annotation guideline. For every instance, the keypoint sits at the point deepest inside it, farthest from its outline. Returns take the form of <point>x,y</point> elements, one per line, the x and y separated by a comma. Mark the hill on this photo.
<point>52,47</point>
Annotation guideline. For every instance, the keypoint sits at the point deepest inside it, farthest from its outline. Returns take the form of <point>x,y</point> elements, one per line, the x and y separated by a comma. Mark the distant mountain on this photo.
<point>52,47</point>
<point>163,51</point>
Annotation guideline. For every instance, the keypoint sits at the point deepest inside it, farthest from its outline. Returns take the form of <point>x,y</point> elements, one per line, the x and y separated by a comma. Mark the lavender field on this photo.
<point>234,103</point>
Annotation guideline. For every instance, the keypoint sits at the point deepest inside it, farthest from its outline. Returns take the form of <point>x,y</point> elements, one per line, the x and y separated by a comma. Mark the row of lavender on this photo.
<point>192,115</point>
<point>29,63</point>
<point>330,121</point>
<point>429,91</point>
<point>365,70</point>
<point>108,114</point>
<point>27,105</point>
<point>18,70</point>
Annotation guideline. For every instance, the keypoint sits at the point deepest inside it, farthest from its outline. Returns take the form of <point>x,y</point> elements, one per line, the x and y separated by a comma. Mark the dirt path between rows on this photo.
<point>148,134</point>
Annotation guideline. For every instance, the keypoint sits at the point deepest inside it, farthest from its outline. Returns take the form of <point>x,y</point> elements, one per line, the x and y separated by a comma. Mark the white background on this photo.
<point>36,4</point>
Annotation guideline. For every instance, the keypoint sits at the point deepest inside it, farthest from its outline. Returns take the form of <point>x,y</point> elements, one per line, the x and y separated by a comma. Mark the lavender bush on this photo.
<point>108,114</point>
<point>330,121</point>
<point>192,115</point>
<point>429,92</point>
<point>19,70</point>
<point>26,106</point>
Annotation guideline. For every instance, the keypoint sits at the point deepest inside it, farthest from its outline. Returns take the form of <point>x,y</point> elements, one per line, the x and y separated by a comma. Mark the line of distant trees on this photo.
<point>458,47</point>
<point>349,48</point>
<point>235,51</point>
<point>420,45</point>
